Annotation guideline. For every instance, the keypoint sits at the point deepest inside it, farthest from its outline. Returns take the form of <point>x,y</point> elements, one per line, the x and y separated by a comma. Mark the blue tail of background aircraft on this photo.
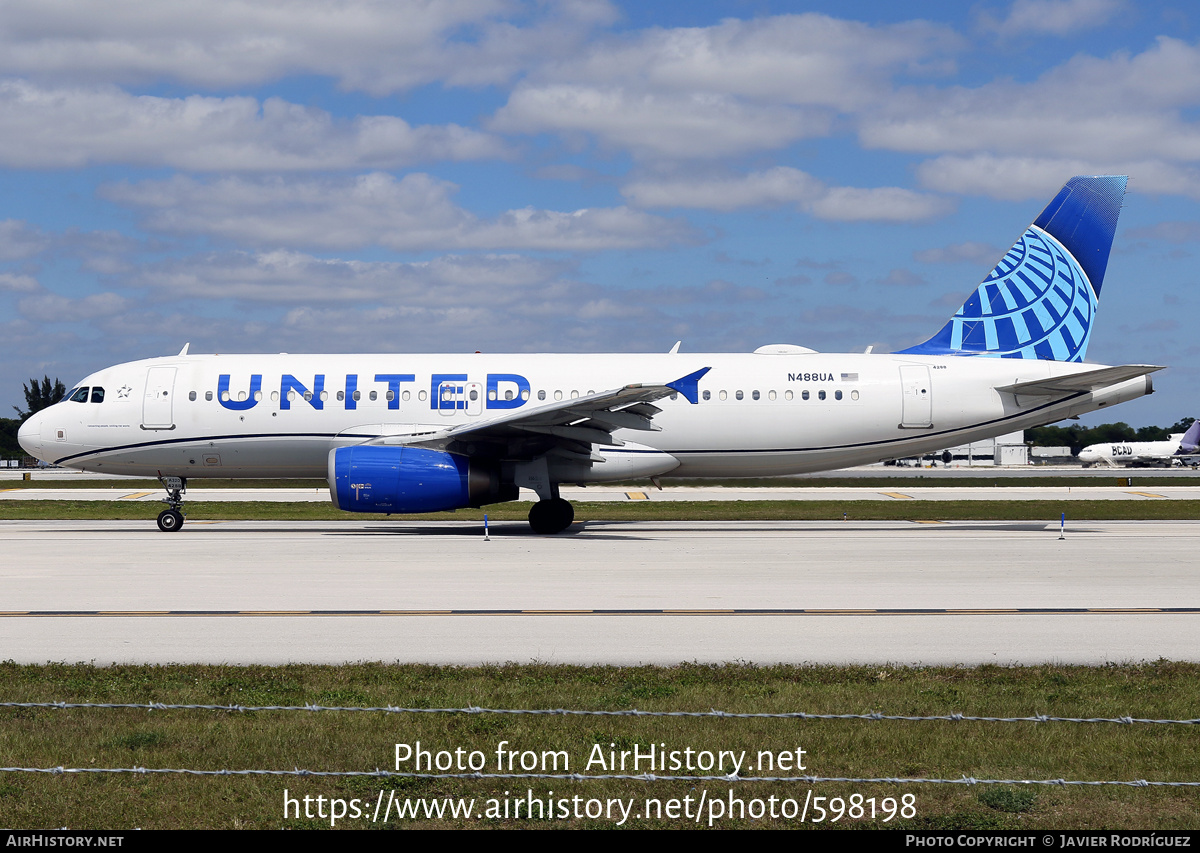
<point>1040,300</point>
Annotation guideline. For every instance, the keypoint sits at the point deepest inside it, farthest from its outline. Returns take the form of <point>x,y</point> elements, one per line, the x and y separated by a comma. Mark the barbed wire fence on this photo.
<point>582,777</point>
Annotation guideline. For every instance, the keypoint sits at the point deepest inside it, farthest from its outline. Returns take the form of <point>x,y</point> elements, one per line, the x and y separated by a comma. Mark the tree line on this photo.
<point>38,395</point>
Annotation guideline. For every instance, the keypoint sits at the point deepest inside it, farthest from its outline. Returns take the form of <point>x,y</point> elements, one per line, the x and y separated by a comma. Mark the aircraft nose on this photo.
<point>29,436</point>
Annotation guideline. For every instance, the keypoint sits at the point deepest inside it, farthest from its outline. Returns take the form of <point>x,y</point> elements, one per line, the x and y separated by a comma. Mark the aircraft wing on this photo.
<point>1088,380</point>
<point>567,428</point>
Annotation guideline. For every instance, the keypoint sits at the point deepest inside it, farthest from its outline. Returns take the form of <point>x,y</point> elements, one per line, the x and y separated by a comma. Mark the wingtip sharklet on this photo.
<point>687,385</point>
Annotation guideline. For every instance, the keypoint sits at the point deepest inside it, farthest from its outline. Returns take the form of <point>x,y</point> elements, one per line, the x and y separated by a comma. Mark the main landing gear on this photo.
<point>551,516</point>
<point>171,519</point>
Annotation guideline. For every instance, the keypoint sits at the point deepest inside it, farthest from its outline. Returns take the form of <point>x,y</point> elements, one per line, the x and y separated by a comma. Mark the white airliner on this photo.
<point>421,433</point>
<point>1180,449</point>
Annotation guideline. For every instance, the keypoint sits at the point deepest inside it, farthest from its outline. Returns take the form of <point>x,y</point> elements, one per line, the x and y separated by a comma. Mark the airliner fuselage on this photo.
<point>755,414</point>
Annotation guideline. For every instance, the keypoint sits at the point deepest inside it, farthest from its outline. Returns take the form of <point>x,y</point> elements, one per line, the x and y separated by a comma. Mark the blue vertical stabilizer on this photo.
<point>1040,300</point>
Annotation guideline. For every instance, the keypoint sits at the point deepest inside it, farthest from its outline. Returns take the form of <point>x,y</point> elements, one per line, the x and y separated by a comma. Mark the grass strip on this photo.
<point>819,510</point>
<point>366,741</point>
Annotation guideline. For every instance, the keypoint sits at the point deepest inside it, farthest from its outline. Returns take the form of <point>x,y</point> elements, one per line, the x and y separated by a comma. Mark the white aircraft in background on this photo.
<point>423,433</point>
<point>1180,449</point>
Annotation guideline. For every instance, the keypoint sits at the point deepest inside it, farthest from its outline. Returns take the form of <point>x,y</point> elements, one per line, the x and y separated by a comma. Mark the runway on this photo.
<point>767,592</point>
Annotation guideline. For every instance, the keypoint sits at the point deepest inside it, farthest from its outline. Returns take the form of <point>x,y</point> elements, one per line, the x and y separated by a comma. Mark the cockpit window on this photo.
<point>80,396</point>
<point>97,394</point>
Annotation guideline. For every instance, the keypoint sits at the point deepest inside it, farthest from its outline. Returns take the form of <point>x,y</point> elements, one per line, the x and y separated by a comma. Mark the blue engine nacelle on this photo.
<point>367,478</point>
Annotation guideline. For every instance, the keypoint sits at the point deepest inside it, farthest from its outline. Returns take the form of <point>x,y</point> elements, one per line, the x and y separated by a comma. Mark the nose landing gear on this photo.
<point>171,519</point>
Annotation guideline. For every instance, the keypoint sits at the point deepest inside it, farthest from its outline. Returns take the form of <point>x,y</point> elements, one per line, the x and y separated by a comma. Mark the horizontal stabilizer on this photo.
<point>1088,380</point>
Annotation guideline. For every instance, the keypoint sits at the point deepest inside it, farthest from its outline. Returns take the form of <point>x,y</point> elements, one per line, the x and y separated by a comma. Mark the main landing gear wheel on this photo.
<point>551,516</point>
<point>170,520</point>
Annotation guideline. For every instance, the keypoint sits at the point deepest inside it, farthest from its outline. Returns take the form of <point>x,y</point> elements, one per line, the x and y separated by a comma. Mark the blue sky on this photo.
<point>585,176</point>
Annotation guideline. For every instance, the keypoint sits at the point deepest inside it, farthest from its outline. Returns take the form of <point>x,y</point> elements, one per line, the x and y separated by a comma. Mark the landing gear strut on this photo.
<point>551,516</point>
<point>171,519</point>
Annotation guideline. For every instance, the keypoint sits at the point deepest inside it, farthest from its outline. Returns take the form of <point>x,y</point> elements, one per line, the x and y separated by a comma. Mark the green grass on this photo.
<point>366,741</point>
<point>901,510</point>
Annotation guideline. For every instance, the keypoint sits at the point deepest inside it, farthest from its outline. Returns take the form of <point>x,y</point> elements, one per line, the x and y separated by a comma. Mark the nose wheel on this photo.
<point>551,516</point>
<point>171,519</point>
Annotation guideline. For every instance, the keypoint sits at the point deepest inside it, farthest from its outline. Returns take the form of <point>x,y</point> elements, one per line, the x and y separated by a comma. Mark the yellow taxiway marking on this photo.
<point>134,496</point>
<point>698,611</point>
<point>11,490</point>
<point>133,612</point>
<point>1146,494</point>
<point>637,496</point>
<point>898,496</point>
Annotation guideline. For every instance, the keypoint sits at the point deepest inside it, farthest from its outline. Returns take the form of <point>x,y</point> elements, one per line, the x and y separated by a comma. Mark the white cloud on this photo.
<point>785,185</point>
<point>53,307</point>
<point>1053,17</point>
<point>292,277</point>
<point>57,128</point>
<point>1129,114</point>
<point>18,240</point>
<point>1018,178</point>
<point>17,283</point>
<point>379,46</point>
<point>967,252</point>
<point>879,204</point>
<point>735,87</point>
<point>415,213</point>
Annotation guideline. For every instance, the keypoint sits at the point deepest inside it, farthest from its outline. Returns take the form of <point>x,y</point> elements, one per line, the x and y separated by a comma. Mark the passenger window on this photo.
<point>358,395</point>
<point>307,396</point>
<point>771,395</point>
<point>508,395</point>
<point>787,395</point>
<point>341,396</point>
<point>542,394</point>
<point>820,395</point>
<point>406,395</point>
<point>853,395</point>
<point>274,396</point>
<point>474,395</point>
<point>708,395</point>
<point>803,395</point>
<point>525,394</point>
<point>390,395</point>
<point>724,395</point>
<point>97,394</point>
<point>837,395</point>
<point>558,395</point>
<point>738,395</point>
<point>257,396</point>
<point>80,396</point>
<point>421,396</point>
<point>374,396</point>
<point>208,396</point>
<point>754,394</point>
<point>192,396</point>
<point>324,396</point>
<point>574,395</point>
